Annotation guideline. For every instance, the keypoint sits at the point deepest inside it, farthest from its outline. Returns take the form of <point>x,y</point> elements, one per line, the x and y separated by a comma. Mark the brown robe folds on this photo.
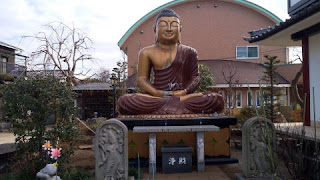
<point>182,74</point>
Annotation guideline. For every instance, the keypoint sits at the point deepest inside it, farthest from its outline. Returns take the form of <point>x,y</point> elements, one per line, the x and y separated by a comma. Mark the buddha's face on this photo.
<point>168,30</point>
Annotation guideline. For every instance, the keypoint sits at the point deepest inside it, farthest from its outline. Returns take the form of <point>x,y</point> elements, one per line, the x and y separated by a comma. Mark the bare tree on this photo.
<point>121,72</point>
<point>63,48</point>
<point>294,84</point>
<point>229,74</point>
<point>296,54</point>
<point>103,75</point>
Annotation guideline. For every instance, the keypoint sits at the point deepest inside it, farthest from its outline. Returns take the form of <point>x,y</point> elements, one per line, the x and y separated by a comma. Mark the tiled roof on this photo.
<point>245,72</point>
<point>258,35</point>
<point>92,87</point>
<point>8,46</point>
<point>289,71</point>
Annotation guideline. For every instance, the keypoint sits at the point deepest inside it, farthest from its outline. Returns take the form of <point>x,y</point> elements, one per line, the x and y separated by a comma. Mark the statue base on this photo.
<point>217,143</point>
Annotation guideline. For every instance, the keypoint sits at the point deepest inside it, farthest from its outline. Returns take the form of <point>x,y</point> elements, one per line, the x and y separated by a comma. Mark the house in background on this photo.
<point>94,99</point>
<point>246,79</point>
<point>302,29</point>
<point>215,29</point>
<point>7,60</point>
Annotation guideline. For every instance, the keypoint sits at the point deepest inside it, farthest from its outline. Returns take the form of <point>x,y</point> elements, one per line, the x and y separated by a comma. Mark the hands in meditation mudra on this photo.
<point>176,76</point>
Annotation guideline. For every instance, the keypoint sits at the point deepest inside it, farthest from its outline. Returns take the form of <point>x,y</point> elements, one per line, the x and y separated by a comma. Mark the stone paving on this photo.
<point>212,172</point>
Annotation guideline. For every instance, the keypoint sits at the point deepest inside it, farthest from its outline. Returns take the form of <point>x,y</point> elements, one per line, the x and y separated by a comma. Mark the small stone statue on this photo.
<point>48,173</point>
<point>258,159</point>
<point>260,165</point>
<point>111,151</point>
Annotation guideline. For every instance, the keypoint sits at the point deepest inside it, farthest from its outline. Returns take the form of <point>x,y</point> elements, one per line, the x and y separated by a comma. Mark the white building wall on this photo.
<point>314,60</point>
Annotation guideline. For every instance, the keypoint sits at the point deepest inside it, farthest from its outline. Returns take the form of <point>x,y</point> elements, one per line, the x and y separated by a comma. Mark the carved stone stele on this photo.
<point>258,142</point>
<point>111,151</point>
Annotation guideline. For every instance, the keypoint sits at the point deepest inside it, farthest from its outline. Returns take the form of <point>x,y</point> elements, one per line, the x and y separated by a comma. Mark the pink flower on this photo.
<point>55,153</point>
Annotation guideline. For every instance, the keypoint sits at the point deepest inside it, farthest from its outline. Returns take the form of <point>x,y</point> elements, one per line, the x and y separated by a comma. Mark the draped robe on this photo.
<point>182,74</point>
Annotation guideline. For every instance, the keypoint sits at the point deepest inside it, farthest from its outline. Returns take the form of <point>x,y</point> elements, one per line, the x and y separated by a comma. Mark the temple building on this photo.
<point>302,29</point>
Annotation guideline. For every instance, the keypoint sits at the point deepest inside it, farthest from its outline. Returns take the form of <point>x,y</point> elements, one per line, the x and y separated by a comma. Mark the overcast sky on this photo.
<point>104,21</point>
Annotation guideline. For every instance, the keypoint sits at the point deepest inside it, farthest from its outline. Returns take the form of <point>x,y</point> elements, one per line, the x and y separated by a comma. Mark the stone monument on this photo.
<point>111,151</point>
<point>258,142</point>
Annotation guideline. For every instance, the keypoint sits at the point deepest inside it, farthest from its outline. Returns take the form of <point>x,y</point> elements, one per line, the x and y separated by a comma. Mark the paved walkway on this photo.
<point>212,172</point>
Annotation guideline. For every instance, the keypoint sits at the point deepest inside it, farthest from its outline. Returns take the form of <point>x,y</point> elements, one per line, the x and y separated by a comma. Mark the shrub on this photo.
<point>75,174</point>
<point>287,112</point>
<point>97,123</point>
<point>247,113</point>
<point>30,103</point>
<point>17,176</point>
<point>6,77</point>
<point>297,115</point>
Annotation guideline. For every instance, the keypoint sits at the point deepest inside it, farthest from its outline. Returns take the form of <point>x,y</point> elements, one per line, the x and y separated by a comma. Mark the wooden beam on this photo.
<point>312,30</point>
<point>306,79</point>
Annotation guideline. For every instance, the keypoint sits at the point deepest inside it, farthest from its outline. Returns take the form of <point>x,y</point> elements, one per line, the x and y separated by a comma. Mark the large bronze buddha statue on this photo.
<point>176,76</point>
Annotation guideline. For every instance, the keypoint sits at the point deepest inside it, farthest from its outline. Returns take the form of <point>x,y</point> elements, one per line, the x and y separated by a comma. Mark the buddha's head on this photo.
<point>167,27</point>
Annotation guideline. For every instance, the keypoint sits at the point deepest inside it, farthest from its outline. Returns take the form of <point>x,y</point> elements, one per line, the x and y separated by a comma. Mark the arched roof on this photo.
<point>264,11</point>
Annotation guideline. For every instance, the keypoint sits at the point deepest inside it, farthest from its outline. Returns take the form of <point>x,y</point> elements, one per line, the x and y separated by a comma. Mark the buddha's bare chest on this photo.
<point>161,60</point>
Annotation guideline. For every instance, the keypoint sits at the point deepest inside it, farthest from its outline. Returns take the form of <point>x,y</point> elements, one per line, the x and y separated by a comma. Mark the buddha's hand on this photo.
<point>167,94</point>
<point>179,93</point>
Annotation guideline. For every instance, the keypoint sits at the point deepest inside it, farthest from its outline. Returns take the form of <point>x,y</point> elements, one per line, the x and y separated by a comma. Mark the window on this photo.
<point>247,52</point>
<point>249,98</point>
<point>229,102</point>
<point>258,99</point>
<point>239,99</point>
<point>3,65</point>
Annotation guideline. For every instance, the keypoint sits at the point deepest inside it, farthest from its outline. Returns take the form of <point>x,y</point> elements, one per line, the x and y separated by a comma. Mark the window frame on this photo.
<point>228,101</point>
<point>257,96</point>
<point>249,92</point>
<point>239,106</point>
<point>247,57</point>
<point>3,60</point>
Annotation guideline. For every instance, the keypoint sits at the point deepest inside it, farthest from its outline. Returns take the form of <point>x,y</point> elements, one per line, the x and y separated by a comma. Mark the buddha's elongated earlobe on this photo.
<point>155,34</point>
<point>179,37</point>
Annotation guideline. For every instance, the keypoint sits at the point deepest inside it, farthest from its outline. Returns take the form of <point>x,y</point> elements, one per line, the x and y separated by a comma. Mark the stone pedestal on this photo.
<point>221,138</point>
<point>152,153</point>
<point>199,129</point>
<point>200,152</point>
<point>111,150</point>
